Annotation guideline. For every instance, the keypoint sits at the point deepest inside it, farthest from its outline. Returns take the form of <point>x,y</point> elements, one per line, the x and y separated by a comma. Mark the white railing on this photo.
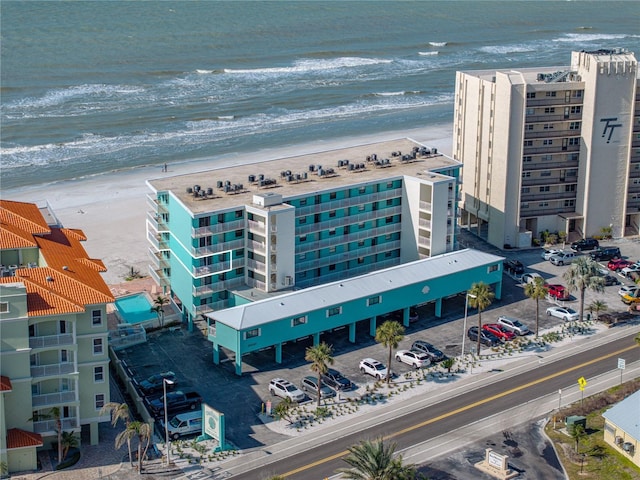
<point>352,237</point>
<point>260,227</point>
<point>217,248</point>
<point>52,370</point>
<point>217,228</point>
<point>51,340</point>
<point>426,206</point>
<point>54,398</point>
<point>349,220</point>
<point>218,286</point>
<point>51,425</point>
<point>343,257</point>
<point>348,202</point>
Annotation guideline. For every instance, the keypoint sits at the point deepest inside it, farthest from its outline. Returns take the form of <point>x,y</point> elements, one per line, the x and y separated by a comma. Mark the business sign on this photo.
<point>609,126</point>
<point>214,424</point>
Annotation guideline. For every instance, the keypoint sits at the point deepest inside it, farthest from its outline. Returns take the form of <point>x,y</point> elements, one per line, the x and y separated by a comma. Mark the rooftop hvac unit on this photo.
<point>189,190</point>
<point>219,183</point>
<point>312,168</point>
<point>628,447</point>
<point>261,177</point>
<point>209,191</point>
<point>619,441</point>
<point>196,188</point>
<point>251,178</point>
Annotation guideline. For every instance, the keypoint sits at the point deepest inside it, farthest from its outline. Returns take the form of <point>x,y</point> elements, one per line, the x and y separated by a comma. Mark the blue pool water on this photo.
<point>135,308</point>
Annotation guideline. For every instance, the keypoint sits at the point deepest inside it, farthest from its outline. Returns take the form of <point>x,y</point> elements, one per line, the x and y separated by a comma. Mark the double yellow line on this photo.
<point>465,408</point>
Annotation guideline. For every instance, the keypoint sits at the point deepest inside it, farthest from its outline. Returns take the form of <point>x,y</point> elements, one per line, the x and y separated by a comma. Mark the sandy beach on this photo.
<point>111,208</point>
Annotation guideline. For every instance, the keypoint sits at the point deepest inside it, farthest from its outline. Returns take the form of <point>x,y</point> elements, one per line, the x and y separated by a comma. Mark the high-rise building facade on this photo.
<point>54,366</point>
<point>552,149</point>
<point>298,221</point>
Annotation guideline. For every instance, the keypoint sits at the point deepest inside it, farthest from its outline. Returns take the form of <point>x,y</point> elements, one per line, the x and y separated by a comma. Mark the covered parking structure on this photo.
<point>274,321</point>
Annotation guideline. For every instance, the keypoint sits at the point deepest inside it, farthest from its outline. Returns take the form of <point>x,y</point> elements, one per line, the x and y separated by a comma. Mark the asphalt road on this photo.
<point>458,411</point>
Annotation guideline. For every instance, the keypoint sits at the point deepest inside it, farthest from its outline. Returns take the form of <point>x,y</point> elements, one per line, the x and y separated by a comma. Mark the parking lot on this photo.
<point>241,399</point>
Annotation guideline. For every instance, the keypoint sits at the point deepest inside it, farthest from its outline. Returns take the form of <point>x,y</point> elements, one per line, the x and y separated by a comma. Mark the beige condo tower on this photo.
<point>550,149</point>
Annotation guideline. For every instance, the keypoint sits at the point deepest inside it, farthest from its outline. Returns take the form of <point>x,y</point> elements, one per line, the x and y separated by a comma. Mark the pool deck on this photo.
<point>139,285</point>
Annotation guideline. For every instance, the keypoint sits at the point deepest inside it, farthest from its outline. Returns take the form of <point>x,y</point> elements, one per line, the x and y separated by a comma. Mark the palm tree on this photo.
<point>53,413</point>
<point>144,432</point>
<point>536,291</point>
<point>125,436</point>
<point>582,274</point>
<point>159,303</point>
<point>320,358</point>
<point>598,306</point>
<point>119,411</point>
<point>283,409</point>
<point>577,432</point>
<point>480,297</point>
<point>69,440</point>
<point>390,334</point>
<point>373,460</point>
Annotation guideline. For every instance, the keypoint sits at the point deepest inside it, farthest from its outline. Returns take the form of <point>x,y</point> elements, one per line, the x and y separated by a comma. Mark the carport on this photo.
<point>273,321</point>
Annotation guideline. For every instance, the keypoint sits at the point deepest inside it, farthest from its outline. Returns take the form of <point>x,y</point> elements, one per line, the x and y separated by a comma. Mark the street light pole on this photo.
<point>166,419</point>
<point>464,328</point>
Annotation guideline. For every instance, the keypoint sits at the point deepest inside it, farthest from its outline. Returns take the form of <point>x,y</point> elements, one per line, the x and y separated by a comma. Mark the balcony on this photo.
<point>426,206</point>
<point>210,307</point>
<point>559,101</point>
<point>348,202</point>
<point>159,277</point>
<point>352,272</point>
<point>257,266</point>
<point>352,237</point>
<point>217,228</point>
<point>218,248</point>
<point>51,340</point>
<point>349,220</point>
<point>218,287</point>
<point>550,118</point>
<point>51,425</point>
<point>54,398</point>
<point>531,182</point>
<point>218,267</point>
<point>550,149</point>
<point>541,212</point>
<point>424,223</point>
<point>346,256</point>
<point>258,227</point>
<point>552,133</point>
<point>546,196</point>
<point>52,370</point>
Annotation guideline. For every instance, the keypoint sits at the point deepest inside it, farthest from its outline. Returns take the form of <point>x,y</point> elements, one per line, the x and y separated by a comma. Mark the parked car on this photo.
<point>414,358</point>
<point>562,258</point>
<point>177,401</point>
<point>618,264</point>
<point>334,379</point>
<point>183,424</point>
<point>632,296</point>
<point>499,331</point>
<point>585,244</point>
<point>413,315</point>
<point>628,290</point>
<point>547,252</point>
<point>605,254</point>
<point>153,384</point>
<point>285,389</point>
<point>557,291</point>
<point>487,339</point>
<point>310,385</point>
<point>513,324</point>
<point>374,368</point>
<point>425,347</point>
<point>514,267</point>
<point>628,272</point>
<point>530,277</point>
<point>610,280</point>
<point>565,313</point>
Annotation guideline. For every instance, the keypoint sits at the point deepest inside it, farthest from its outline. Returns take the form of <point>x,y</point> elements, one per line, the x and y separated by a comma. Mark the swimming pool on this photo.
<point>135,308</point>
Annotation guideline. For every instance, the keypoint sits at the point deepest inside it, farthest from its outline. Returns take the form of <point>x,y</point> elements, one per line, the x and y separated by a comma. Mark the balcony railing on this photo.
<point>348,202</point>
<point>550,149</point>
<point>52,370</point>
<point>158,277</point>
<point>352,272</point>
<point>217,228</point>
<point>51,425</point>
<point>217,248</point>
<point>346,256</point>
<point>350,220</point>
<point>560,101</point>
<point>218,287</point>
<point>426,206</point>
<point>54,398</point>
<point>352,237</point>
<point>51,340</point>
<point>211,307</point>
<point>552,133</point>
<point>254,226</point>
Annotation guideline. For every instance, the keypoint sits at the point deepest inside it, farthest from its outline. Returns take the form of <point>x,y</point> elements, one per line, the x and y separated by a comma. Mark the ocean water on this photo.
<point>92,87</point>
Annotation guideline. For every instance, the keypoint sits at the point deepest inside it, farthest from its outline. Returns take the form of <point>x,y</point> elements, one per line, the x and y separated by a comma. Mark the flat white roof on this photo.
<point>259,313</point>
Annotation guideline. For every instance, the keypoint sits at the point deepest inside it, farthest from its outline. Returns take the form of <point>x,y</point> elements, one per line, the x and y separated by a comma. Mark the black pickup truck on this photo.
<point>177,401</point>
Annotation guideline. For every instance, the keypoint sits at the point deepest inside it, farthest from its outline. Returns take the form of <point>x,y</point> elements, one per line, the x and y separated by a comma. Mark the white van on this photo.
<point>185,424</point>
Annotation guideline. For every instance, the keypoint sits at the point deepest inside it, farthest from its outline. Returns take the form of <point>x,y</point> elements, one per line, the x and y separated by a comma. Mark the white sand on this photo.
<point>111,208</point>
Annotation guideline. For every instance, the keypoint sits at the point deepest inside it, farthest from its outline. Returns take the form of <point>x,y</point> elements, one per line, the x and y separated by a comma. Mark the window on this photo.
<point>577,93</point>
<point>4,307</point>
<point>546,158</point>
<point>97,346</point>
<point>98,374</point>
<point>531,94</point>
<point>573,157</point>
<point>545,188</point>
<point>550,94</point>
<point>361,208</point>
<point>526,158</point>
<point>574,126</point>
<point>360,260</point>
<point>332,249</point>
<point>361,225</point>
<point>299,321</point>
<point>526,174</point>
<point>252,333</point>
<point>525,189</point>
<point>493,268</point>
<point>332,231</point>
<point>373,300</point>
<point>547,141</point>
<point>332,213</point>
<point>360,243</point>
<point>528,143</point>
<point>389,184</point>
<point>238,213</point>
<point>569,203</point>
<point>96,318</point>
<point>543,204</point>
<point>303,238</point>
<point>546,173</point>
<point>528,128</point>
<point>570,188</point>
<point>332,267</point>
<point>99,401</point>
<point>332,195</point>
<point>525,205</point>
<point>238,233</point>
<point>302,220</point>
<point>362,190</point>
<point>549,110</point>
<point>389,202</point>
<point>388,219</point>
<point>531,111</point>
<point>303,202</point>
<point>331,312</point>
<point>576,109</point>
<point>574,141</point>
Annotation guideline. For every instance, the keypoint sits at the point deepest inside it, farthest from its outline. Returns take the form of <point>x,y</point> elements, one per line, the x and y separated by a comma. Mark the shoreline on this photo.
<point>110,208</point>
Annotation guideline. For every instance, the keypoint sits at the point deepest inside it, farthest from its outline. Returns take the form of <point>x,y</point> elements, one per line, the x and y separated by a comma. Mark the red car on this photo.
<point>500,332</point>
<point>557,291</point>
<point>618,264</point>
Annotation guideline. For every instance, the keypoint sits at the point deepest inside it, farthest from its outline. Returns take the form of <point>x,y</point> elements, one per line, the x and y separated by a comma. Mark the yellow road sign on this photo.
<point>582,382</point>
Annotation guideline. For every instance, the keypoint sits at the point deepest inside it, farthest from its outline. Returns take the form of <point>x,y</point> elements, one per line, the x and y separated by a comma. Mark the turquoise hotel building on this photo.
<point>247,234</point>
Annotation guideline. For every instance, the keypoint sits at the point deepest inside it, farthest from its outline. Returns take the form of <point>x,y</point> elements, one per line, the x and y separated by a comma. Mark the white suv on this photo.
<point>374,368</point>
<point>285,389</point>
<point>514,325</point>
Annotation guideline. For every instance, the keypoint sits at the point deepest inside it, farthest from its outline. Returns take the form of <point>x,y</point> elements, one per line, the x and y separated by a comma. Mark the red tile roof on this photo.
<point>70,280</point>
<point>5,384</point>
<point>17,438</point>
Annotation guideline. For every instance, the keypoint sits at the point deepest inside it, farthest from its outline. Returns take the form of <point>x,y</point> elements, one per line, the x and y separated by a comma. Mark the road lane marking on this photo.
<point>464,408</point>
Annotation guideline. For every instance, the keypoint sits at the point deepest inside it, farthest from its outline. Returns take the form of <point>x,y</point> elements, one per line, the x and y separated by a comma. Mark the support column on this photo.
<point>439,307</point>
<point>238,363</point>
<point>405,316</point>
<point>498,290</point>
<point>216,353</point>
<point>352,332</point>
<point>316,339</point>
<point>190,323</point>
<point>93,430</point>
<point>278,347</point>
<point>372,326</point>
